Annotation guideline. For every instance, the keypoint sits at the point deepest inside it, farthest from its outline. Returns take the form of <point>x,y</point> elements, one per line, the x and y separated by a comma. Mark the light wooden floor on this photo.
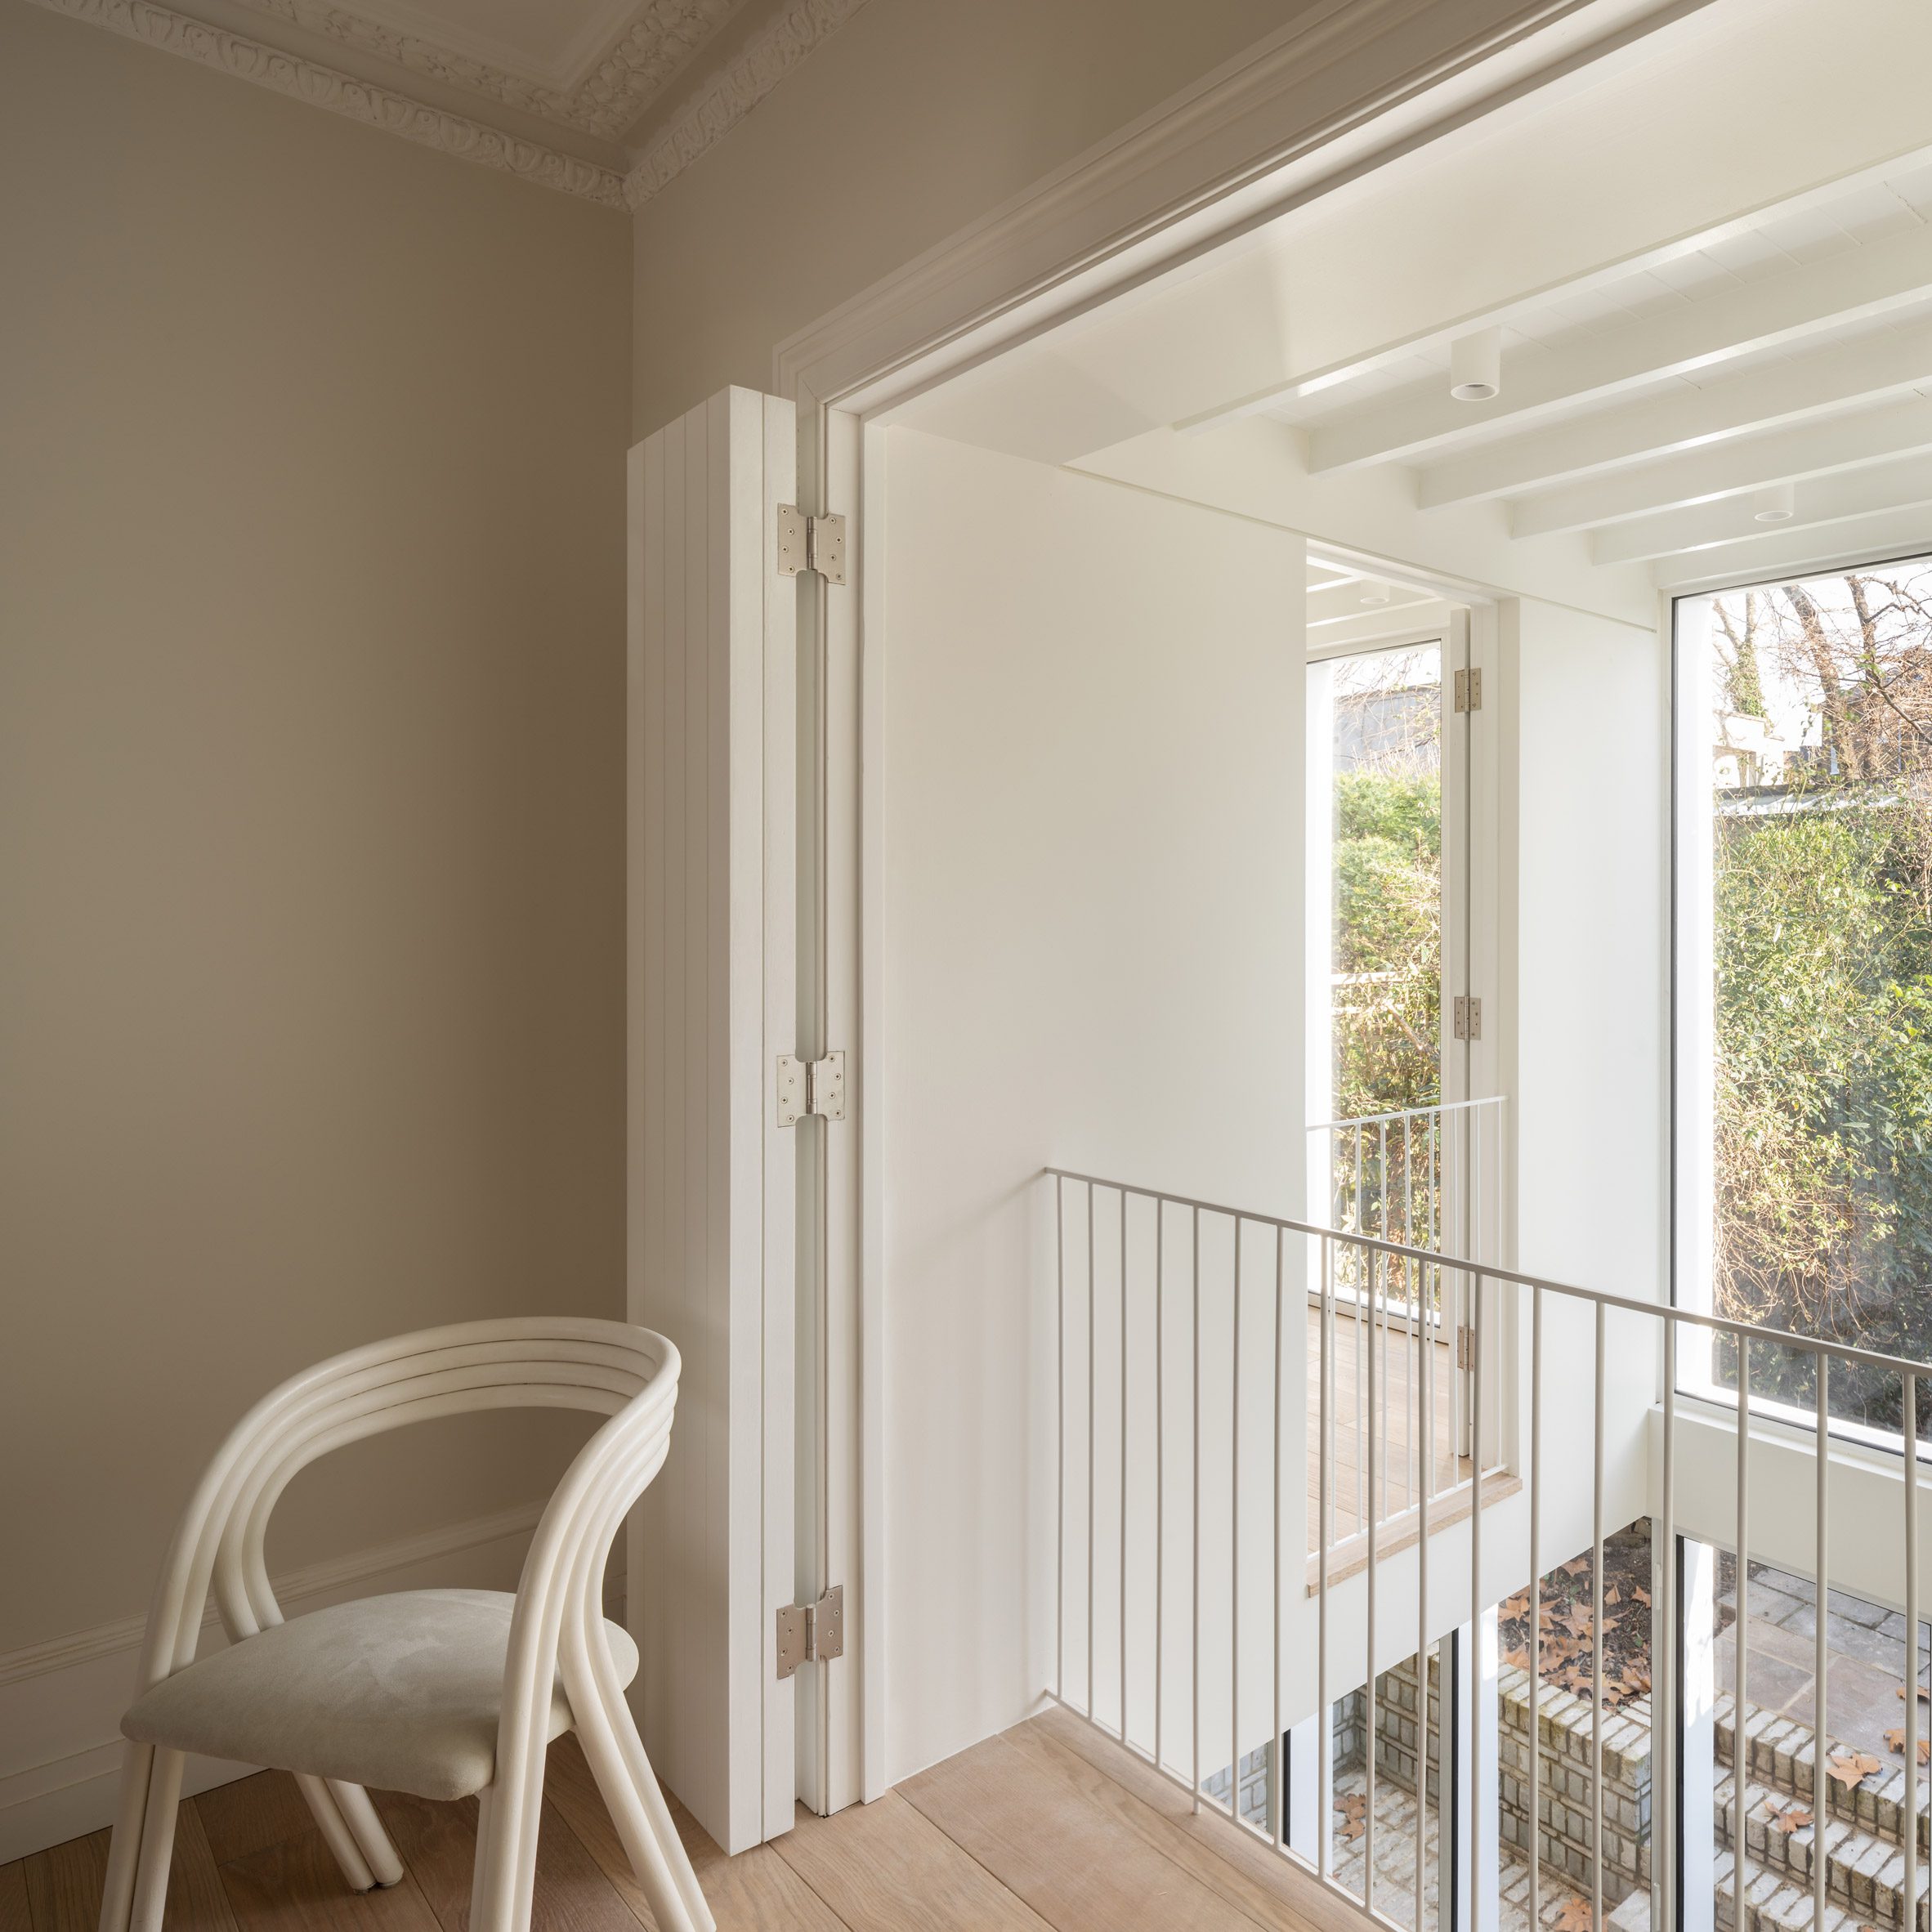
<point>1049,1828</point>
<point>1396,1415</point>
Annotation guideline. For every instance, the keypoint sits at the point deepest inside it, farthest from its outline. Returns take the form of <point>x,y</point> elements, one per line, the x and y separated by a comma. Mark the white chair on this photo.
<point>439,1692</point>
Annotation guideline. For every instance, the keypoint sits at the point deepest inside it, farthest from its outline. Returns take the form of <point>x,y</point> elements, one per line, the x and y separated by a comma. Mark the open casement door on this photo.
<point>712,714</point>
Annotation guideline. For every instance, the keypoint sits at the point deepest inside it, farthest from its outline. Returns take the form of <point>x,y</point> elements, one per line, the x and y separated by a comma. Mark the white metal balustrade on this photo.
<point>1426,1177</point>
<point>1195,1309</point>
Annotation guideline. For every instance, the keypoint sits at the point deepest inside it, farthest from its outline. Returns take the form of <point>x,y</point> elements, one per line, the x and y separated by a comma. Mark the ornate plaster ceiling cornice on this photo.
<point>733,91</point>
<point>659,40</point>
<point>301,80</point>
<point>654,45</point>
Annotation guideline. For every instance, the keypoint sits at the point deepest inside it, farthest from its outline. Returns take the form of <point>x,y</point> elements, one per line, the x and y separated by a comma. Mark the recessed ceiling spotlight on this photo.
<point>1778,504</point>
<point>1476,365</point>
<point>1373,592</point>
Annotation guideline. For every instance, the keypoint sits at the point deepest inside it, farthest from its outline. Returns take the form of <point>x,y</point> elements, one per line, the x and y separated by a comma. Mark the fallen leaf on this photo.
<point>1793,1820</point>
<point>1850,1768</point>
<point>1574,1917</point>
<point>1895,1738</point>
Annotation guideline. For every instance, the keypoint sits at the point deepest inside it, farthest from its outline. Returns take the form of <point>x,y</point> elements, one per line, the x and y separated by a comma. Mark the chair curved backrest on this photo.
<point>612,1368</point>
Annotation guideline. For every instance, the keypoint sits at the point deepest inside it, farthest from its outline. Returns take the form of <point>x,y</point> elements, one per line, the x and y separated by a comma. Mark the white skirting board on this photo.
<point>61,1700</point>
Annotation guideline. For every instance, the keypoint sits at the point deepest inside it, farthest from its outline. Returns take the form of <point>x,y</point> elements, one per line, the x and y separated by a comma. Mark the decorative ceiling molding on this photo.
<point>341,93</point>
<point>656,45</point>
<point>732,92</point>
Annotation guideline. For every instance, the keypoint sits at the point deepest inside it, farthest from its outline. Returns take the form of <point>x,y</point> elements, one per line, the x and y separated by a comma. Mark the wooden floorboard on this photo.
<point>1261,1901</point>
<point>196,1895</point>
<point>15,1914</point>
<point>438,1843</point>
<point>1073,1860</point>
<point>1050,1828</point>
<point>755,1892</point>
<point>887,1868</point>
<point>297,1886</point>
<point>64,1884</point>
<point>252,1814</point>
<point>1263,1867</point>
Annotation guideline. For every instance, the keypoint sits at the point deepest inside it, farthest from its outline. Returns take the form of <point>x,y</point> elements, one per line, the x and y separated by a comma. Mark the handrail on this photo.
<point>1495,1272</point>
<point>1397,1356</point>
<point>1405,1113</point>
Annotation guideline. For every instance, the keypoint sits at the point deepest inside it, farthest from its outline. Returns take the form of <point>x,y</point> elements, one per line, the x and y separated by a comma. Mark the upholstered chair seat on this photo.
<point>404,1692</point>
<point>444,1693</point>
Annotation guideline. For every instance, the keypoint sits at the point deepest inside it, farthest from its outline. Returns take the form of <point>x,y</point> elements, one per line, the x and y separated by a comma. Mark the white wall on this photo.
<point>311,830</point>
<point>1091,958</point>
<point>1584,1002</point>
<point>1094,774</point>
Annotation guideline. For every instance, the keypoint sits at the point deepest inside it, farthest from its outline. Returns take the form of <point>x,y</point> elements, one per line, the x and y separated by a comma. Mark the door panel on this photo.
<point>711,722</point>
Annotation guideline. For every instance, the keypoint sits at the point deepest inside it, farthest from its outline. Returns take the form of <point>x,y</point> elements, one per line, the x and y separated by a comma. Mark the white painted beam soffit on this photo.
<point>1711,260</point>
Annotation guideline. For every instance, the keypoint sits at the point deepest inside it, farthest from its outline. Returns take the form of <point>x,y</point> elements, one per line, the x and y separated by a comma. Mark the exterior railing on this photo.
<point>1195,1312</point>
<point>1429,1178</point>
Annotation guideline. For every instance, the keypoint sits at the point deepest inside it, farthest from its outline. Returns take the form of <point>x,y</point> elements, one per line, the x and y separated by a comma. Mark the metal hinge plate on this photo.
<point>811,1087</point>
<point>1469,690</point>
<point>1465,1347</point>
<point>1469,1016</point>
<point>812,1633</point>
<point>811,544</point>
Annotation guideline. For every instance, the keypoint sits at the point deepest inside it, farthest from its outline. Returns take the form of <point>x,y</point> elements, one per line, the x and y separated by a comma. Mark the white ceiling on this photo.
<point>1711,266</point>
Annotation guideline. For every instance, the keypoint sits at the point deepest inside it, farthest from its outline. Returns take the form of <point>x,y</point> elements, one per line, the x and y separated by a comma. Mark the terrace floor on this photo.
<point>1395,1408</point>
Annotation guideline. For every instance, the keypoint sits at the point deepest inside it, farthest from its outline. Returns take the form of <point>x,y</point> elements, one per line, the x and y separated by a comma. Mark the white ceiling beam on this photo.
<point>1827,499</point>
<point>1800,553</point>
<point>1778,310</point>
<point>1819,449</point>
<point>1836,379</point>
<point>1379,625</point>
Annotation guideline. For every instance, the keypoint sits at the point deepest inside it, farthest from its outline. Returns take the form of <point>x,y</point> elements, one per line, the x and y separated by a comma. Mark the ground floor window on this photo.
<point>1804,886</point>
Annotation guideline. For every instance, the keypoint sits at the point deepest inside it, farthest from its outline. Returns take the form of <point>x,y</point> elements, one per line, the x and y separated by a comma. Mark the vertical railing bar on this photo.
<point>1596,1639</point>
<point>1194,1621</point>
<point>1379,1327</point>
<point>1324,1507</point>
<point>1060,1434</point>
<point>1476,1232</point>
<point>1534,1847</point>
<point>1411,1296</point>
<point>1368,1723</point>
<point>1358,1365</point>
<point>1425,1430</point>
<point>1741,1624</point>
<point>1821,1649</point>
<point>1910,1833</point>
<point>1475,1793</point>
<point>1159,1471</point>
<point>1668,1701</point>
<point>1123,1465</point>
<point>1234,1539</point>
<point>1276,1784</point>
<point>1093,1440</point>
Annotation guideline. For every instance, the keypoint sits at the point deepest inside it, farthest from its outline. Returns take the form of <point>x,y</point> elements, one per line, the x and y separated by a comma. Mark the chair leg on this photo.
<point>157,1841</point>
<point>378,1853</point>
<point>117,1896</point>
<point>488,1876</point>
<point>644,1826</point>
<point>335,1831</point>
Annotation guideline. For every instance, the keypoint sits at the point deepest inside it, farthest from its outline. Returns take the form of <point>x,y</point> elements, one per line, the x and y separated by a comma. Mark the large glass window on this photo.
<point>1805,973</point>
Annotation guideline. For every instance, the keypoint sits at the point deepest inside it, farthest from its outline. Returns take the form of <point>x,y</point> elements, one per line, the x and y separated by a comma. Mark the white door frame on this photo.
<point>1335,95</point>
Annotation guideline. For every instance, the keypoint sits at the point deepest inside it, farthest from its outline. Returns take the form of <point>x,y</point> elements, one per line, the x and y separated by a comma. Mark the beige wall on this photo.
<point>311,788</point>
<point>924,115</point>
